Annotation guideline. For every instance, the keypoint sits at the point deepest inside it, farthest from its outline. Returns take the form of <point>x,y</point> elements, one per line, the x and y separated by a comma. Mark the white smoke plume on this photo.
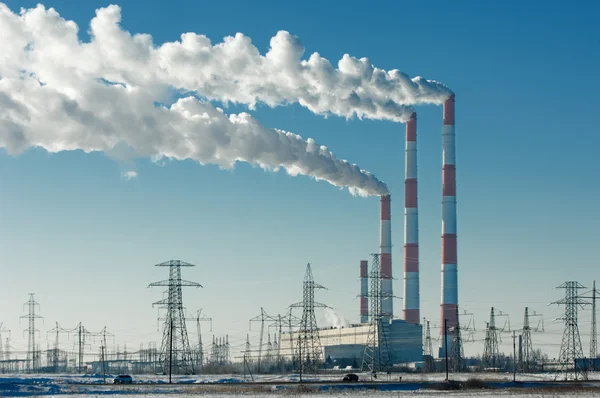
<point>231,71</point>
<point>62,94</point>
<point>335,320</point>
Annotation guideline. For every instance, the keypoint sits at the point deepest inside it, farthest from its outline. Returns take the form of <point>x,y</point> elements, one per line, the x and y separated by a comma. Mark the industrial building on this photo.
<point>345,346</point>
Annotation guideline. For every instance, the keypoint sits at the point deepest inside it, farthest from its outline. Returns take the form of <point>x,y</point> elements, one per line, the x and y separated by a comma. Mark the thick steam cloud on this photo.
<point>59,93</point>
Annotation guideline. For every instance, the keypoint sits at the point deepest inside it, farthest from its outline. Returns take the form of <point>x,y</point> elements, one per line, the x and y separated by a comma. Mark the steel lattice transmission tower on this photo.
<point>377,355</point>
<point>33,354</point>
<point>2,330</point>
<point>309,342</point>
<point>594,331</point>
<point>491,351</point>
<point>526,346</point>
<point>427,348</point>
<point>571,352</point>
<point>457,346</point>
<point>200,348</point>
<point>176,355</point>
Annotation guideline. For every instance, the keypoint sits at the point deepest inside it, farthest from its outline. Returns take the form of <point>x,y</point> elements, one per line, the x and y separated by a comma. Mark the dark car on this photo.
<point>123,379</point>
<point>350,377</point>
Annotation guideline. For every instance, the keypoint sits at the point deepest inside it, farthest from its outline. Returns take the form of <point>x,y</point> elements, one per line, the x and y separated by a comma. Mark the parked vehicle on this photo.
<point>350,377</point>
<point>123,379</point>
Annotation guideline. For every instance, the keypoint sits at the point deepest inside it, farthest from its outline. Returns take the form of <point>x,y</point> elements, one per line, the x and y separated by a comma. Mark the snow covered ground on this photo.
<point>494,394</point>
<point>238,378</point>
<point>223,386</point>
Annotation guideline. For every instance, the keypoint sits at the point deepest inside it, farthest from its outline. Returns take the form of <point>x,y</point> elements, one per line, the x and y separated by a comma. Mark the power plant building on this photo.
<point>345,346</point>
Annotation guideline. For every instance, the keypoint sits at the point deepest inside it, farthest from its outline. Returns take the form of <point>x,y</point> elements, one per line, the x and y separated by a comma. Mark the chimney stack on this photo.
<point>411,227</point>
<point>364,291</point>
<point>385,260</point>
<point>449,305</point>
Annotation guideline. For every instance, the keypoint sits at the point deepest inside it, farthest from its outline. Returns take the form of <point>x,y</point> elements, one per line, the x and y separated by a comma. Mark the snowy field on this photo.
<point>365,395</point>
<point>239,378</point>
<point>222,386</point>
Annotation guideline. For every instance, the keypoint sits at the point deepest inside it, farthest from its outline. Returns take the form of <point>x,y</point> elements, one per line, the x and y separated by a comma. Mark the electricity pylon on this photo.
<point>32,352</point>
<point>200,349</point>
<point>176,355</point>
<point>2,330</point>
<point>571,352</point>
<point>377,356</point>
<point>592,295</point>
<point>456,360</point>
<point>262,318</point>
<point>427,348</point>
<point>491,351</point>
<point>309,342</point>
<point>525,345</point>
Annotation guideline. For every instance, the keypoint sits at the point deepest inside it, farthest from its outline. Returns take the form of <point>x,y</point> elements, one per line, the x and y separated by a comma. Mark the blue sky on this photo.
<point>525,79</point>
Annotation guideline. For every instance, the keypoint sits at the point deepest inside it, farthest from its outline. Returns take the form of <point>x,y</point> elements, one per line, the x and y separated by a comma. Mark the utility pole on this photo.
<point>594,332</point>
<point>171,328</point>
<point>32,353</point>
<point>446,345</point>
<point>81,337</point>
<point>514,356</point>
<point>175,345</point>
<point>103,363</point>
<point>570,348</point>
<point>82,334</point>
<point>300,367</point>
<point>7,349</point>
<point>104,347</point>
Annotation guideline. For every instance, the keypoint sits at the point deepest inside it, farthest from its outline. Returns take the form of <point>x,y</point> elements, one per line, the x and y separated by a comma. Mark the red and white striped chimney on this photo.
<point>449,306</point>
<point>364,291</point>
<point>411,227</point>
<point>385,260</point>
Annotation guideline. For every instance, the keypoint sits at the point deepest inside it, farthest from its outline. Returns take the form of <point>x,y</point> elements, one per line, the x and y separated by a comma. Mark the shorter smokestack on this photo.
<point>364,291</point>
<point>385,260</point>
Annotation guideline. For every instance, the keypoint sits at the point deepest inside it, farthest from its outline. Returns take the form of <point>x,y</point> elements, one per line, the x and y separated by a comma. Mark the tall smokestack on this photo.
<point>411,227</point>
<point>385,260</point>
<point>449,306</point>
<point>364,291</point>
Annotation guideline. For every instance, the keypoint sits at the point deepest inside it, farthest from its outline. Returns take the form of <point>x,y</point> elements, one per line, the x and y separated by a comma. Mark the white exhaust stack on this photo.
<point>385,260</point>
<point>449,305</point>
<point>411,227</point>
